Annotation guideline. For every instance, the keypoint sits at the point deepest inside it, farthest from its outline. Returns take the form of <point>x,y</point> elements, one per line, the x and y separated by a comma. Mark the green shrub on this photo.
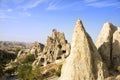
<point>58,71</point>
<point>36,72</point>
<point>29,58</point>
<point>25,72</point>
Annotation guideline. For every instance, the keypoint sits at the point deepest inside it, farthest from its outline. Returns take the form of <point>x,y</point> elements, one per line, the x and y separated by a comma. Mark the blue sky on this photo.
<point>33,20</point>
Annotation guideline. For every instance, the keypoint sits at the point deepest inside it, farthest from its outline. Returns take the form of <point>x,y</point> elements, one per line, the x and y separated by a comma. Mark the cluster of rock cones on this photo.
<point>86,62</point>
<point>83,60</point>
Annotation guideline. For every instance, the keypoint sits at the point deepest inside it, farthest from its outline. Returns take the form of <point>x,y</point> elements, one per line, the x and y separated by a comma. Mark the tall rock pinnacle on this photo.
<point>84,61</point>
<point>104,43</point>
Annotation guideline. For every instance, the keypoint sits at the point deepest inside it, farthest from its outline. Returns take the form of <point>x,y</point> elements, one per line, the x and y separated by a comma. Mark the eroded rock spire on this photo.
<point>84,61</point>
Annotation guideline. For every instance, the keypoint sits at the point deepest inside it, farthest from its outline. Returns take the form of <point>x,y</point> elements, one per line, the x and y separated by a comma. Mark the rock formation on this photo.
<point>108,44</point>
<point>116,49</point>
<point>84,61</point>
<point>104,43</point>
<point>56,48</point>
<point>36,49</point>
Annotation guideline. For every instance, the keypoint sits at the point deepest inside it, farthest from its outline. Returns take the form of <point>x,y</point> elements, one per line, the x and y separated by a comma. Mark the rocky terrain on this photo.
<point>86,62</point>
<point>56,48</point>
<point>57,59</point>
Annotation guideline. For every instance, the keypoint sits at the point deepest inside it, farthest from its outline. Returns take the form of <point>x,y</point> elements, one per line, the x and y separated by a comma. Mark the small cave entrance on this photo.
<point>59,46</point>
<point>42,60</point>
<point>59,57</point>
<point>63,51</point>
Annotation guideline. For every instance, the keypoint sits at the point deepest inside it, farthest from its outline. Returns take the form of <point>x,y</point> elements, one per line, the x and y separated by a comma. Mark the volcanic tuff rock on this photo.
<point>108,44</point>
<point>36,49</point>
<point>116,49</point>
<point>56,48</point>
<point>104,42</point>
<point>84,61</point>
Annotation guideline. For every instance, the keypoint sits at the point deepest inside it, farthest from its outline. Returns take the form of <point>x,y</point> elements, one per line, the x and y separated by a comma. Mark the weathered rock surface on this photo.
<point>108,45</point>
<point>113,78</point>
<point>36,49</point>
<point>104,43</point>
<point>84,61</point>
<point>116,49</point>
<point>56,48</point>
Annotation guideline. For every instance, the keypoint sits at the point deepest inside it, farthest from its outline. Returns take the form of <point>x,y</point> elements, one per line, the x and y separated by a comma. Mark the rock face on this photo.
<point>36,49</point>
<point>108,45</point>
<point>84,61</point>
<point>56,48</point>
<point>104,43</point>
<point>116,49</point>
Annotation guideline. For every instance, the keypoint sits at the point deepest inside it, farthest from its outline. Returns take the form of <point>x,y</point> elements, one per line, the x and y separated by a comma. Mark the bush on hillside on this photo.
<point>25,72</point>
<point>58,71</point>
<point>29,58</point>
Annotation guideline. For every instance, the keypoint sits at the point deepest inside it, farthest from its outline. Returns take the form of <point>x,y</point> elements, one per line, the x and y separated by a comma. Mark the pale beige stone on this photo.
<point>116,49</point>
<point>104,43</point>
<point>84,61</point>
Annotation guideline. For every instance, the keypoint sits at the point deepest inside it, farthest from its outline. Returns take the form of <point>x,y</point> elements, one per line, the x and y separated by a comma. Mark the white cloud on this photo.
<point>32,4</point>
<point>59,5</point>
<point>105,3</point>
<point>52,7</point>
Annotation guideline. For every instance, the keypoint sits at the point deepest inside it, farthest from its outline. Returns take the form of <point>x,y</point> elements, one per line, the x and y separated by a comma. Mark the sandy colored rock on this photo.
<point>104,43</point>
<point>84,61</point>
<point>56,48</point>
<point>117,77</point>
<point>116,49</point>
<point>36,49</point>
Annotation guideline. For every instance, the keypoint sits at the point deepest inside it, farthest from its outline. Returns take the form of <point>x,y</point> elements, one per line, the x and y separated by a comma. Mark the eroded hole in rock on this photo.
<point>41,65</point>
<point>48,62</point>
<point>45,53</point>
<point>63,51</point>
<point>42,59</point>
<point>66,41</point>
<point>50,51</point>
<point>59,57</point>
<point>59,46</point>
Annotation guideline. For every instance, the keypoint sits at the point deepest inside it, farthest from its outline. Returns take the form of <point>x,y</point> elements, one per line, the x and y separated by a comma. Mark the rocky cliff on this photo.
<point>108,45</point>
<point>56,48</point>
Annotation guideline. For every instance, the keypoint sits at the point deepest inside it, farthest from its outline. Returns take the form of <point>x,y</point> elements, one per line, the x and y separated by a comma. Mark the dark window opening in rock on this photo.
<point>48,62</point>
<point>59,57</point>
<point>59,46</point>
<point>63,51</point>
<point>41,65</point>
<point>66,41</point>
<point>45,53</point>
<point>42,60</point>
<point>50,51</point>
